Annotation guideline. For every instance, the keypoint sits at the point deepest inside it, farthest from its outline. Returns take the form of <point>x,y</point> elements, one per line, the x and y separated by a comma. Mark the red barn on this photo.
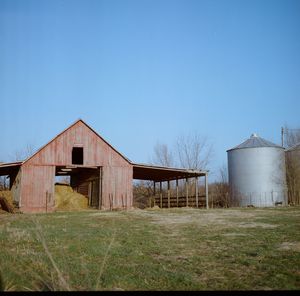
<point>97,170</point>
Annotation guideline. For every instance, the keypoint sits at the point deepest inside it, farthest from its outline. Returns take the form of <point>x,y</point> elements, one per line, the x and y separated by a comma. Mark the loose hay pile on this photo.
<point>66,199</point>
<point>6,203</point>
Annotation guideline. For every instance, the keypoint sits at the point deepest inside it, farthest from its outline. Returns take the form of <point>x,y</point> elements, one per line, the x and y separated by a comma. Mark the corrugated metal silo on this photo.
<point>256,171</point>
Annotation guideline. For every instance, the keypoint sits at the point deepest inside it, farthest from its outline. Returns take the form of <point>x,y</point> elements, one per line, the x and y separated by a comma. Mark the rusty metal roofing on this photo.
<point>254,142</point>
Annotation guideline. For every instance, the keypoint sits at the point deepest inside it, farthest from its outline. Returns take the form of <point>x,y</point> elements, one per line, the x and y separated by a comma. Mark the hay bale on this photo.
<point>6,201</point>
<point>5,205</point>
<point>66,199</point>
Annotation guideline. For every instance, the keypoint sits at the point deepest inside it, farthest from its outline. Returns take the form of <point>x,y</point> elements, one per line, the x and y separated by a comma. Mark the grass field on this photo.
<point>176,249</point>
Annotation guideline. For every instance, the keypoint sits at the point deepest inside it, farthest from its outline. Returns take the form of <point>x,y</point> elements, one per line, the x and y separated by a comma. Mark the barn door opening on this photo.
<point>84,180</point>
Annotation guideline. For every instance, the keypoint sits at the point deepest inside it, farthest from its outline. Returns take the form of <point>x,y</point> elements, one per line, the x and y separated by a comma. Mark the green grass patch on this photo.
<point>175,249</point>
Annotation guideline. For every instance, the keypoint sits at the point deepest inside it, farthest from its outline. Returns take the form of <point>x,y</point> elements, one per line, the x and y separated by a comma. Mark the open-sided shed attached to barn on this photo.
<point>97,170</point>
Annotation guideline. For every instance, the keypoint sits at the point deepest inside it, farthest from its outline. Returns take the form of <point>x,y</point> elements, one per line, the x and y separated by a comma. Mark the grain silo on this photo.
<point>256,171</point>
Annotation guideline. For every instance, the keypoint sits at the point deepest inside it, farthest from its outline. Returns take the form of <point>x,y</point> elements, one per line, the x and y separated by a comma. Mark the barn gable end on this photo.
<point>96,151</point>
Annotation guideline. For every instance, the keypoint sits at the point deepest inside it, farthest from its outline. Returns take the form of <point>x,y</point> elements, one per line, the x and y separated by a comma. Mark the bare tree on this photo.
<point>19,155</point>
<point>162,155</point>
<point>193,151</point>
<point>142,194</point>
<point>3,183</point>
<point>24,153</point>
<point>223,174</point>
<point>292,160</point>
<point>143,190</point>
<point>291,136</point>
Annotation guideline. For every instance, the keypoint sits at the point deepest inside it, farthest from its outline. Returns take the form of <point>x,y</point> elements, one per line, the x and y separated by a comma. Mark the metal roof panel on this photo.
<point>254,142</point>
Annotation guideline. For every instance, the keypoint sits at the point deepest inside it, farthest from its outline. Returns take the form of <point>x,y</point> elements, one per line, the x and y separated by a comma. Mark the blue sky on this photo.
<point>144,71</point>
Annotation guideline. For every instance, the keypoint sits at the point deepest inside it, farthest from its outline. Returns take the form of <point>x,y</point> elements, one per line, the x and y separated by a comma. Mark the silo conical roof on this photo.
<point>254,142</point>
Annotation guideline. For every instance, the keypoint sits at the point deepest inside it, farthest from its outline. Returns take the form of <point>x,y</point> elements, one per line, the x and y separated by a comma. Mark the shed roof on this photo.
<point>159,173</point>
<point>9,167</point>
<point>254,142</point>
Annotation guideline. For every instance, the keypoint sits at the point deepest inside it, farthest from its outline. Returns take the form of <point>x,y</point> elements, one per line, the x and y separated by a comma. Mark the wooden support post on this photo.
<point>154,193</point>
<point>177,195</point>
<point>206,191</point>
<point>169,194</point>
<point>100,189</point>
<point>89,193</point>
<point>196,192</point>
<point>160,193</point>
<point>187,191</point>
<point>46,201</point>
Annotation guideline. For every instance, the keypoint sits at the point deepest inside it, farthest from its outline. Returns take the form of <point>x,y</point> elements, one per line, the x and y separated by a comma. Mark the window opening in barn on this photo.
<point>77,155</point>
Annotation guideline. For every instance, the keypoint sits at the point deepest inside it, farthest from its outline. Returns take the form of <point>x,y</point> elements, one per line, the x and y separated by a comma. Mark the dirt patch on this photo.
<point>105,214</point>
<point>181,217</point>
<point>255,225</point>
<point>289,246</point>
<point>61,217</point>
<point>242,218</point>
<point>234,234</point>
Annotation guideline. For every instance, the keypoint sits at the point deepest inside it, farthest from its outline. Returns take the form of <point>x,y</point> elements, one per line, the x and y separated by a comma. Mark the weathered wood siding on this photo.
<point>38,172</point>
<point>37,188</point>
<point>114,195</point>
<point>96,151</point>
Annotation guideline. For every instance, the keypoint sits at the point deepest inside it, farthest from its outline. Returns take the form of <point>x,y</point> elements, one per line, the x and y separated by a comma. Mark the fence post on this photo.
<point>177,195</point>
<point>160,194</point>
<point>168,194</point>
<point>196,191</point>
<point>206,191</point>
<point>187,191</point>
